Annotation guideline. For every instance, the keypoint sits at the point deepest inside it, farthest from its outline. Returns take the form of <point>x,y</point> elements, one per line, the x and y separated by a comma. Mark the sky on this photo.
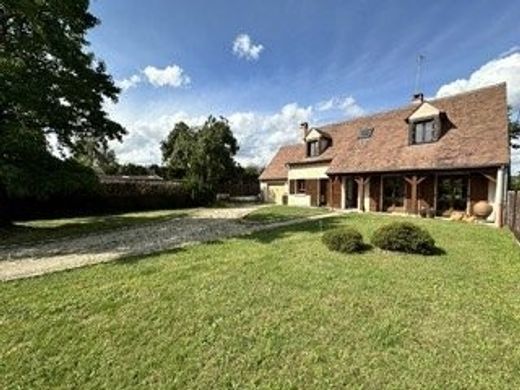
<point>269,65</point>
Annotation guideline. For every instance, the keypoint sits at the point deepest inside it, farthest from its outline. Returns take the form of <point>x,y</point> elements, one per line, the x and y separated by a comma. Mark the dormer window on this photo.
<point>425,124</point>
<point>316,142</point>
<point>313,148</point>
<point>423,132</point>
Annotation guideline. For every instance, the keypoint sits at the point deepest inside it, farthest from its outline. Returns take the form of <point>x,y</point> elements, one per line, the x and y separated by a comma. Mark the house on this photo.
<point>441,154</point>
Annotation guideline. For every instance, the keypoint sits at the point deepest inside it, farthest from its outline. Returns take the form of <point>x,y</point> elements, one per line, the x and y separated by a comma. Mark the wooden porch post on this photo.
<point>361,182</point>
<point>435,189</point>
<point>414,182</point>
<point>361,193</point>
<point>381,193</point>
<point>468,196</point>
<point>318,192</point>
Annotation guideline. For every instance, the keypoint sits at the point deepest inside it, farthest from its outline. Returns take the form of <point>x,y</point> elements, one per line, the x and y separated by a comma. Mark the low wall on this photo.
<point>299,200</point>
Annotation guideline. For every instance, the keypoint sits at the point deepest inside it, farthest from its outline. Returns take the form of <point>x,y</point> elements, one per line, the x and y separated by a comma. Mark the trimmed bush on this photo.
<point>404,237</point>
<point>345,240</point>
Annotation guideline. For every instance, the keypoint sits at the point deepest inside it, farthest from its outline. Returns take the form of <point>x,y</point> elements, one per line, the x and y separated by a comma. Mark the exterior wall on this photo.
<point>335,192</point>
<point>311,189</point>
<point>274,192</point>
<point>426,110</point>
<point>299,200</point>
<point>317,171</point>
<point>479,189</point>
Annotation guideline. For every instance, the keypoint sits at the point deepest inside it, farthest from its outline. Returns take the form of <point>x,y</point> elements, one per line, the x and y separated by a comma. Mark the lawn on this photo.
<point>275,309</point>
<point>50,229</point>
<point>269,214</point>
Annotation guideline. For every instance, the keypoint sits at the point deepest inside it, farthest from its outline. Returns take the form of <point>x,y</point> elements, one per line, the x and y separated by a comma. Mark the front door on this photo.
<point>324,185</point>
<point>351,194</point>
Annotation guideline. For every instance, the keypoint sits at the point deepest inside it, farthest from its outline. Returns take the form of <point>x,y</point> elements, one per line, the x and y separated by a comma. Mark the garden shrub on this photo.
<point>345,240</point>
<point>404,237</point>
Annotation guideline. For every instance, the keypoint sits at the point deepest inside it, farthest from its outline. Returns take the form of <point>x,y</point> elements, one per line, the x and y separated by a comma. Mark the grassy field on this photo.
<point>275,309</point>
<point>271,214</point>
<point>49,229</point>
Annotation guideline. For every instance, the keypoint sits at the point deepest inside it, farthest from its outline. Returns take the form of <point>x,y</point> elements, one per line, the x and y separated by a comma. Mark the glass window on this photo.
<point>313,148</point>
<point>393,193</point>
<point>452,194</point>
<point>424,132</point>
<point>300,186</point>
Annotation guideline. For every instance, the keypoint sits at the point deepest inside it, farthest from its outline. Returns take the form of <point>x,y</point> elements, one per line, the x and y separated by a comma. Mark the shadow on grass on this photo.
<point>134,259</point>
<point>22,233</point>
<point>317,226</point>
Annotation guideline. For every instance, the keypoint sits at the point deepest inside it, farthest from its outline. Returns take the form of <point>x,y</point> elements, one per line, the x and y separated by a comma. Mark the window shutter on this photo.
<point>437,128</point>
<point>411,128</point>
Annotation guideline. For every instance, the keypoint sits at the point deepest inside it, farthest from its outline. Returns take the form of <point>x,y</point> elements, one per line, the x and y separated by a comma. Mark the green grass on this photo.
<point>275,309</point>
<point>49,229</point>
<point>269,214</point>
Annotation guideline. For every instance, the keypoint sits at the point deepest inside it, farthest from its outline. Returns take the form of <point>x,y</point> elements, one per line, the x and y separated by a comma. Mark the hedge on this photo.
<point>108,198</point>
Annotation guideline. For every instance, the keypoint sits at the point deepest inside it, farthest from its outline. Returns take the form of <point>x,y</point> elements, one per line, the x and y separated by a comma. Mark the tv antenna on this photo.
<point>420,59</point>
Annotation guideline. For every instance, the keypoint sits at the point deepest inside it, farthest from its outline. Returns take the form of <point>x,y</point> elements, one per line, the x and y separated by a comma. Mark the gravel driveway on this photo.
<point>23,261</point>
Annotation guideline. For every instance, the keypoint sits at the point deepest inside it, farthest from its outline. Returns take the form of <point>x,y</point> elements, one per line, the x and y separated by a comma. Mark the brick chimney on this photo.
<point>304,127</point>
<point>417,98</point>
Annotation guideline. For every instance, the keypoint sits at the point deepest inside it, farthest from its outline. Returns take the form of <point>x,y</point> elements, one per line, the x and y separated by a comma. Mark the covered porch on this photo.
<point>440,192</point>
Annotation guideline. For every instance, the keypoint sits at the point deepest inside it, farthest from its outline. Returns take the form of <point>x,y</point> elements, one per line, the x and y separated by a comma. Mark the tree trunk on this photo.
<point>5,217</point>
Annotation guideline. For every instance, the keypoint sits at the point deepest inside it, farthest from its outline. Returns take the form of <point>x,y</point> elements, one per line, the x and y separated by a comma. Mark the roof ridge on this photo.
<point>411,105</point>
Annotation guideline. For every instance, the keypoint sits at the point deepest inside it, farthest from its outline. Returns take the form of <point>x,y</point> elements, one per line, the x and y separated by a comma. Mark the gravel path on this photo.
<point>23,261</point>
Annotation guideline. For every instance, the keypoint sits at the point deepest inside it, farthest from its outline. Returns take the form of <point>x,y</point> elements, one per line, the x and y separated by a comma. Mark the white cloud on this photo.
<point>130,82</point>
<point>347,105</point>
<point>243,47</point>
<point>514,49</point>
<point>259,135</point>
<point>142,144</point>
<point>172,75</point>
<point>505,68</point>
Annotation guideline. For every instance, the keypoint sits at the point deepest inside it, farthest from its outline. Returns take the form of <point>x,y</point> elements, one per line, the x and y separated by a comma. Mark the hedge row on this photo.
<point>108,198</point>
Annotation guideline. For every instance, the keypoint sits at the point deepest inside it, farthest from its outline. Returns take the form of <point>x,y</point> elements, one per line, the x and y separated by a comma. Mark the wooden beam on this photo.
<point>414,182</point>
<point>489,177</point>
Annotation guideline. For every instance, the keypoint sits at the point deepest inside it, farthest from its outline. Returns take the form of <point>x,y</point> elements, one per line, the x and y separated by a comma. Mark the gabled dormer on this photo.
<point>425,124</point>
<point>316,141</point>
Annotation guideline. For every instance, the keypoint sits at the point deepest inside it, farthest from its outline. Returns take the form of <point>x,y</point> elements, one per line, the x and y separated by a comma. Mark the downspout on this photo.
<point>499,196</point>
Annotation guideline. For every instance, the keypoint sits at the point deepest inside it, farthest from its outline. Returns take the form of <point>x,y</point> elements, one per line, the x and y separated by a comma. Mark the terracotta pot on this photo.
<point>482,209</point>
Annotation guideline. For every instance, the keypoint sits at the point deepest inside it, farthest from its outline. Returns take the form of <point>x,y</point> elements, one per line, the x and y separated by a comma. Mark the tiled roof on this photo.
<point>475,136</point>
<point>277,168</point>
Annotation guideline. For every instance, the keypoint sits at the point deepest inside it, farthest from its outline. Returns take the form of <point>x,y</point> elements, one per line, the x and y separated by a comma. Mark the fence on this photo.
<point>512,212</point>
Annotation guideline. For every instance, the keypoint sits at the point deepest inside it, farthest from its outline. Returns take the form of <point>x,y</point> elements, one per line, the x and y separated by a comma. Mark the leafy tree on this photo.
<point>96,155</point>
<point>177,150</point>
<point>204,156</point>
<point>131,169</point>
<point>49,84</point>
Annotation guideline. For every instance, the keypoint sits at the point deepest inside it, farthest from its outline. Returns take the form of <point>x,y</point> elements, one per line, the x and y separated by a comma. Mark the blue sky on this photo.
<point>320,61</point>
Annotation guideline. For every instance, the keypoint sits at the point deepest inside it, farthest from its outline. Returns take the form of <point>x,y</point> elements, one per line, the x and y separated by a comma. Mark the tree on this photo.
<point>514,127</point>
<point>204,156</point>
<point>49,84</point>
<point>96,155</point>
<point>177,150</point>
<point>131,169</point>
